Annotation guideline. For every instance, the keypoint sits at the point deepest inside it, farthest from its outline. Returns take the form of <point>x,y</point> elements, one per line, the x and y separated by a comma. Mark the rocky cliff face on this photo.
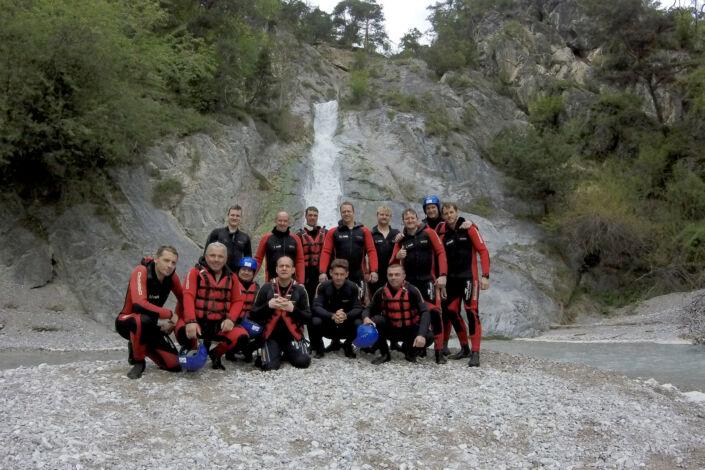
<point>389,156</point>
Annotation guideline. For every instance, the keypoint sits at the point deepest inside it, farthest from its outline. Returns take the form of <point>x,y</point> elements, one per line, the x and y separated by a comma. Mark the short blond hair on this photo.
<point>385,209</point>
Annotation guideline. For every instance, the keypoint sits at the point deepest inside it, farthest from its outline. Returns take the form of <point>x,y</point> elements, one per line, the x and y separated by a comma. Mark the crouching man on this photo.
<point>212,306</point>
<point>143,320</point>
<point>336,310</point>
<point>400,314</point>
<point>281,307</point>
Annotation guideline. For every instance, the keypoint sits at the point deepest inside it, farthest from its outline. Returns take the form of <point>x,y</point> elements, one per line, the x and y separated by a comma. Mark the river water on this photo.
<point>324,189</point>
<point>682,365</point>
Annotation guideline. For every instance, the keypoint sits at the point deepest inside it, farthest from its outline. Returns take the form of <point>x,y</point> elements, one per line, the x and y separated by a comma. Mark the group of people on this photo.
<point>411,284</point>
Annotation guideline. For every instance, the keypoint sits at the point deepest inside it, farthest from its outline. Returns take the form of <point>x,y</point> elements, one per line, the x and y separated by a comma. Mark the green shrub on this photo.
<point>402,102</point>
<point>359,86</point>
<point>544,112</point>
<point>167,193</point>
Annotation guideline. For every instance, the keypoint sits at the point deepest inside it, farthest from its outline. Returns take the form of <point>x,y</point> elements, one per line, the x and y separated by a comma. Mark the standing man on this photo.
<point>419,250</point>
<point>384,237</point>
<point>352,242</point>
<point>237,242</point>
<point>432,209</point>
<point>281,307</point>
<point>464,283</point>
<point>312,236</point>
<point>143,320</point>
<point>277,243</point>
<point>400,314</point>
<point>336,310</point>
<point>212,306</point>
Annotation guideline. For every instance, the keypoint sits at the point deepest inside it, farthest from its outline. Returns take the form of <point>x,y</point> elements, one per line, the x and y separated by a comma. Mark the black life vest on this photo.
<point>157,292</point>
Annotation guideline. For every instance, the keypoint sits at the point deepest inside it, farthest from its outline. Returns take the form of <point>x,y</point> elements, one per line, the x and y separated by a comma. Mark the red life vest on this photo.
<point>312,246</point>
<point>397,308</point>
<point>294,328</point>
<point>248,297</point>
<point>213,298</point>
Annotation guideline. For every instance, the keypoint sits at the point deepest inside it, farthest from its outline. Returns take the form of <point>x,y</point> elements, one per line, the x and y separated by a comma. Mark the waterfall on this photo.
<point>324,189</point>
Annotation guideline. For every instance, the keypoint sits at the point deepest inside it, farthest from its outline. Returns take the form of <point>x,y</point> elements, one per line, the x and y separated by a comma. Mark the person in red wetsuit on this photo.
<point>352,242</point>
<point>419,250</point>
<point>277,243</point>
<point>143,320</point>
<point>400,313</point>
<point>312,236</point>
<point>463,245</point>
<point>281,307</point>
<point>212,306</point>
<point>248,291</point>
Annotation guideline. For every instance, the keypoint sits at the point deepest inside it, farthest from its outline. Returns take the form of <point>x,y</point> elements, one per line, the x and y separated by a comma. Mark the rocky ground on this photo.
<point>660,320</point>
<point>340,413</point>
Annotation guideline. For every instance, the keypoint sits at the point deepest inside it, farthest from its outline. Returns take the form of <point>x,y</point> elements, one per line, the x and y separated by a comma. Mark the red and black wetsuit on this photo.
<point>276,244</point>
<point>144,306</point>
<point>237,242</point>
<point>329,299</point>
<point>423,251</point>
<point>351,244</point>
<point>400,315</point>
<point>209,301</point>
<point>433,223</point>
<point>462,248</point>
<point>283,331</point>
<point>312,243</point>
<point>384,246</point>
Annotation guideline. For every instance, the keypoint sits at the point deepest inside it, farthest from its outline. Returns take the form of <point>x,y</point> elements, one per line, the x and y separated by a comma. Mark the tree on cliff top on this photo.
<point>360,23</point>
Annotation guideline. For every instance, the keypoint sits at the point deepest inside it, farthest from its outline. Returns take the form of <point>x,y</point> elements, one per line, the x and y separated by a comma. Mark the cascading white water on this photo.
<point>324,189</point>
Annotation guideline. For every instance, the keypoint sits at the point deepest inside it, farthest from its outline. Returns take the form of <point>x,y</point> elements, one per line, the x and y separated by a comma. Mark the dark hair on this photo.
<point>169,248</point>
<point>311,209</point>
<point>448,205</point>
<point>234,207</point>
<point>346,203</point>
<point>339,263</point>
<point>409,211</point>
<point>397,265</point>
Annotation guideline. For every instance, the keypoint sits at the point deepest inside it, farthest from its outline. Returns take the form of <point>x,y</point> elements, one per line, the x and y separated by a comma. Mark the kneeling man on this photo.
<point>336,310</point>
<point>281,307</point>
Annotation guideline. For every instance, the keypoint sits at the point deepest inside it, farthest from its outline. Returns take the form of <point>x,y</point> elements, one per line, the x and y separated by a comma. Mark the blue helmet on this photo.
<point>248,262</point>
<point>193,359</point>
<point>253,329</point>
<point>366,337</point>
<point>431,199</point>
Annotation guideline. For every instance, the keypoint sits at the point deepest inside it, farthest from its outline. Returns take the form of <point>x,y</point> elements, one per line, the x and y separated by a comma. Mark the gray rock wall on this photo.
<point>388,158</point>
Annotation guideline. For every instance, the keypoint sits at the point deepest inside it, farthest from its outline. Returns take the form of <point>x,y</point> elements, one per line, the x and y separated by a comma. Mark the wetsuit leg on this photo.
<point>180,333</point>
<point>140,330</point>
<point>296,353</point>
<point>163,353</point>
<point>451,311</point>
<point>471,308</point>
<point>270,355</point>
<point>235,339</point>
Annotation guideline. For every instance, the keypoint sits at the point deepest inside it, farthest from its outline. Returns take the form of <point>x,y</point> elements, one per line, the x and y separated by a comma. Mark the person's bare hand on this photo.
<point>419,342</point>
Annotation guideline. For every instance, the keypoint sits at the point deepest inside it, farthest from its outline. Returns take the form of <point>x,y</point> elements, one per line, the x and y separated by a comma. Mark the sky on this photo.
<point>400,15</point>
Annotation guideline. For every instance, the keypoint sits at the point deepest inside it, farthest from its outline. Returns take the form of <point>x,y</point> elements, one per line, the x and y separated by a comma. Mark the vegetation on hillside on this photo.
<point>87,85</point>
<point>622,184</point>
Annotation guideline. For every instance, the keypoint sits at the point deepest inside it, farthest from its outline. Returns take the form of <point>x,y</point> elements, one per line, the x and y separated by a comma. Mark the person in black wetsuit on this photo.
<point>237,242</point>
